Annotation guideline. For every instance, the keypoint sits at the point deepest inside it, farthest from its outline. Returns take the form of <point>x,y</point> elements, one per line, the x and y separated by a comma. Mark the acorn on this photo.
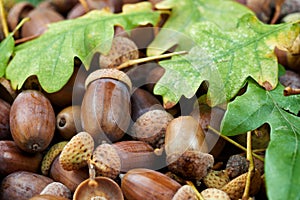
<point>47,197</point>
<point>23,185</point>
<point>32,121</point>
<point>12,159</point>
<point>4,120</point>
<point>186,148</point>
<point>138,154</point>
<point>148,184</point>
<point>106,109</point>
<point>214,194</point>
<point>151,120</point>
<point>122,50</point>
<point>68,122</point>
<point>39,18</point>
<point>71,179</point>
<point>98,188</point>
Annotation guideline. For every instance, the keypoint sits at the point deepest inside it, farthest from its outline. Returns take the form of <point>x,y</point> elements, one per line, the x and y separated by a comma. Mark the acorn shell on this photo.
<point>32,121</point>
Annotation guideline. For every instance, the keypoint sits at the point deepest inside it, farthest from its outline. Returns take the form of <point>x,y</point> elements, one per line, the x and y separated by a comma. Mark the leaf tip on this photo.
<point>267,85</point>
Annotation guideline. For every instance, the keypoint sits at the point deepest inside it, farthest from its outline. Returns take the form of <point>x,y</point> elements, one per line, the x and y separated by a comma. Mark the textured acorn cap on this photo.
<point>190,164</point>
<point>186,192</point>
<point>77,151</point>
<point>50,156</point>
<point>109,73</point>
<point>107,161</point>
<point>235,188</point>
<point>216,179</point>
<point>214,194</point>
<point>57,189</point>
<point>151,127</point>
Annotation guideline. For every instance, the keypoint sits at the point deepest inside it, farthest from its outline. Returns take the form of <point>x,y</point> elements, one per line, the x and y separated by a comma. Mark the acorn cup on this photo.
<point>105,109</point>
<point>151,120</point>
<point>186,148</point>
<point>32,121</point>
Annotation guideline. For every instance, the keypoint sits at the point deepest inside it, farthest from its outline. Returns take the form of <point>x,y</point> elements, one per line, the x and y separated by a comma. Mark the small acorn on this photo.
<point>151,120</point>
<point>106,109</point>
<point>68,122</point>
<point>236,165</point>
<point>148,184</point>
<point>32,121</point>
<point>77,152</point>
<point>98,188</point>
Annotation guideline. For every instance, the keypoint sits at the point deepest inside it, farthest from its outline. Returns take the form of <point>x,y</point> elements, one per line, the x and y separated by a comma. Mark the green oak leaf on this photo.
<point>226,60</point>
<point>224,13</point>
<point>51,56</point>
<point>282,163</point>
<point>6,49</point>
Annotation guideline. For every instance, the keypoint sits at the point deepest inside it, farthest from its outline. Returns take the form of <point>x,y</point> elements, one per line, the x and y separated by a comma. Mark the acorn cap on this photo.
<point>58,189</point>
<point>214,194</point>
<point>186,192</point>
<point>99,188</point>
<point>190,164</point>
<point>216,179</point>
<point>235,188</point>
<point>151,127</point>
<point>109,73</point>
<point>77,152</point>
<point>107,161</point>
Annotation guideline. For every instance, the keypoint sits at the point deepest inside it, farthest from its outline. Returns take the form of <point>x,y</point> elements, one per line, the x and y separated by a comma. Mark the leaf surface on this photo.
<point>282,163</point>
<point>226,60</point>
<point>51,56</point>
<point>224,13</point>
<point>6,50</point>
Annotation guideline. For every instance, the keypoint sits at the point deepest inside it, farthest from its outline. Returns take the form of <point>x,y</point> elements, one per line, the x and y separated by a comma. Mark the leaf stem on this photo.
<point>234,143</point>
<point>3,19</point>
<point>251,166</point>
<point>291,91</point>
<point>199,196</point>
<point>26,39</point>
<point>147,59</point>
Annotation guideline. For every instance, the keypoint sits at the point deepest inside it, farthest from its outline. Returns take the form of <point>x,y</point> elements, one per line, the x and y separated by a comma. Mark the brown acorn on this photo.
<point>151,120</point>
<point>22,185</point>
<point>32,121</point>
<point>98,188</point>
<point>39,18</point>
<point>186,148</point>
<point>4,120</point>
<point>148,184</point>
<point>71,179</point>
<point>68,121</point>
<point>12,159</point>
<point>105,109</point>
<point>138,154</point>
